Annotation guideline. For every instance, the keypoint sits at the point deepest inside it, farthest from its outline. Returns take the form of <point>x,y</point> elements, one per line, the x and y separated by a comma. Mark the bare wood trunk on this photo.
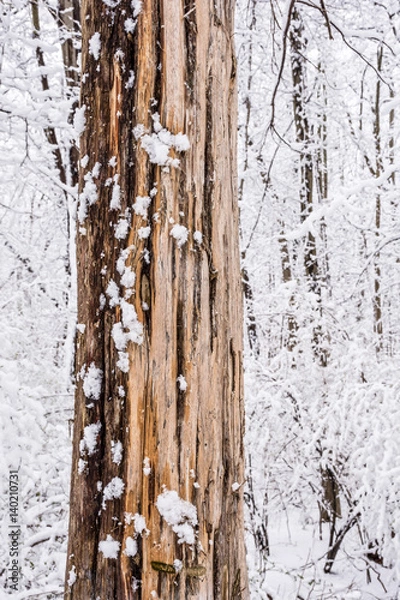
<point>159,361</point>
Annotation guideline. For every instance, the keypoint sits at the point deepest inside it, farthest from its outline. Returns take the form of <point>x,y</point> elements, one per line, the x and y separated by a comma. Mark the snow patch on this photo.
<point>109,547</point>
<point>129,25</point>
<point>121,229</point>
<point>79,126</point>
<point>141,205</point>
<point>198,237</point>
<point>95,45</point>
<point>131,81</point>
<point>114,489</point>
<point>136,7</point>
<point>82,464</point>
<point>116,452</point>
<point>89,441</point>
<point>115,203</point>
<point>178,565</point>
<point>144,232</point>
<point>159,143</point>
<point>128,278</point>
<point>146,466</point>
<point>88,196</point>
<point>179,514</point>
<point>123,362</point>
<point>140,524</point>
<point>71,576</point>
<point>182,383</point>
<point>131,547</point>
<point>92,381</point>
<point>180,234</point>
<point>112,292</point>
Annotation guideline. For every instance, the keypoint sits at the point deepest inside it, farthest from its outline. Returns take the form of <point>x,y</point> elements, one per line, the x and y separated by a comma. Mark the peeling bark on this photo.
<point>187,298</point>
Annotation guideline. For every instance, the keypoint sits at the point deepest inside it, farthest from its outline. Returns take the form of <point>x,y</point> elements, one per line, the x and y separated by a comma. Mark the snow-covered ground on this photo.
<point>295,568</point>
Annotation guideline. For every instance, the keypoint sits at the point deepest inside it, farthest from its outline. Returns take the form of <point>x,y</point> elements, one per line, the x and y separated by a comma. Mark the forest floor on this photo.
<point>295,568</point>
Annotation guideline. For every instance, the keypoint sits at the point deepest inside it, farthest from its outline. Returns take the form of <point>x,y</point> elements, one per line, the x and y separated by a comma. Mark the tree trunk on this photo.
<point>378,326</point>
<point>159,394</point>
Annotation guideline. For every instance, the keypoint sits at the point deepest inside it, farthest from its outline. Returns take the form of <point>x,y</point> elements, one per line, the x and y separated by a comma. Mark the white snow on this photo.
<point>92,381</point>
<point>179,514</point>
<point>123,362</point>
<point>96,170</point>
<point>144,232</point>
<point>180,234</point>
<point>113,161</point>
<point>157,149</point>
<point>89,442</point>
<point>119,336</point>
<point>159,143</point>
<point>178,565</point>
<point>129,25</point>
<point>182,383</point>
<point>71,576</point>
<point>95,45</point>
<point>131,547</point>
<point>116,452</point>
<point>136,7</point>
<point>88,195</point>
<point>121,229</point>
<point>181,142</point>
<point>138,131</point>
<point>109,547</point>
<point>113,489</point>
<point>81,327</point>
<point>131,81</point>
<point>141,205</point>
<point>82,464</point>
<point>128,278</point>
<point>198,237</point>
<point>79,126</point>
<point>235,486</point>
<point>146,466</point>
<point>131,323</point>
<point>102,301</point>
<point>115,203</point>
<point>140,524</point>
<point>112,292</point>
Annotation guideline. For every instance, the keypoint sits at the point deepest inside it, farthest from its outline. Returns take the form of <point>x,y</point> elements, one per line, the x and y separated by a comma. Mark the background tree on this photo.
<point>158,455</point>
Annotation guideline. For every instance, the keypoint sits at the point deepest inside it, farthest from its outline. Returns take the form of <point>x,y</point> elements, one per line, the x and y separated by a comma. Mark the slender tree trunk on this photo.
<point>159,396</point>
<point>330,505</point>
<point>378,326</point>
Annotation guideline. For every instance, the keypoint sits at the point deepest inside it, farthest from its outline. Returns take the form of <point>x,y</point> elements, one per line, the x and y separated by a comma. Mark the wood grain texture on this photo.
<point>183,63</point>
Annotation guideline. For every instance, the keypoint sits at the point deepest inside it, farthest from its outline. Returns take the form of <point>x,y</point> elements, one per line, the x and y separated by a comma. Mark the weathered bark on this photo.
<point>183,301</point>
<point>378,326</point>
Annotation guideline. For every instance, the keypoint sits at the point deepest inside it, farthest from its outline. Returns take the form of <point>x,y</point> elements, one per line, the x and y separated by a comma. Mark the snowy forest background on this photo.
<point>319,200</point>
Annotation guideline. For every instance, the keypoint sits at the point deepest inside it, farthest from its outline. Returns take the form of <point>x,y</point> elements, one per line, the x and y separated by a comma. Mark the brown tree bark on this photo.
<point>159,394</point>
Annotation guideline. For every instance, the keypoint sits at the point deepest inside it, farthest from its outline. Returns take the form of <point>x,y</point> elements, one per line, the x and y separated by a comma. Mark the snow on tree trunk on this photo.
<point>157,497</point>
